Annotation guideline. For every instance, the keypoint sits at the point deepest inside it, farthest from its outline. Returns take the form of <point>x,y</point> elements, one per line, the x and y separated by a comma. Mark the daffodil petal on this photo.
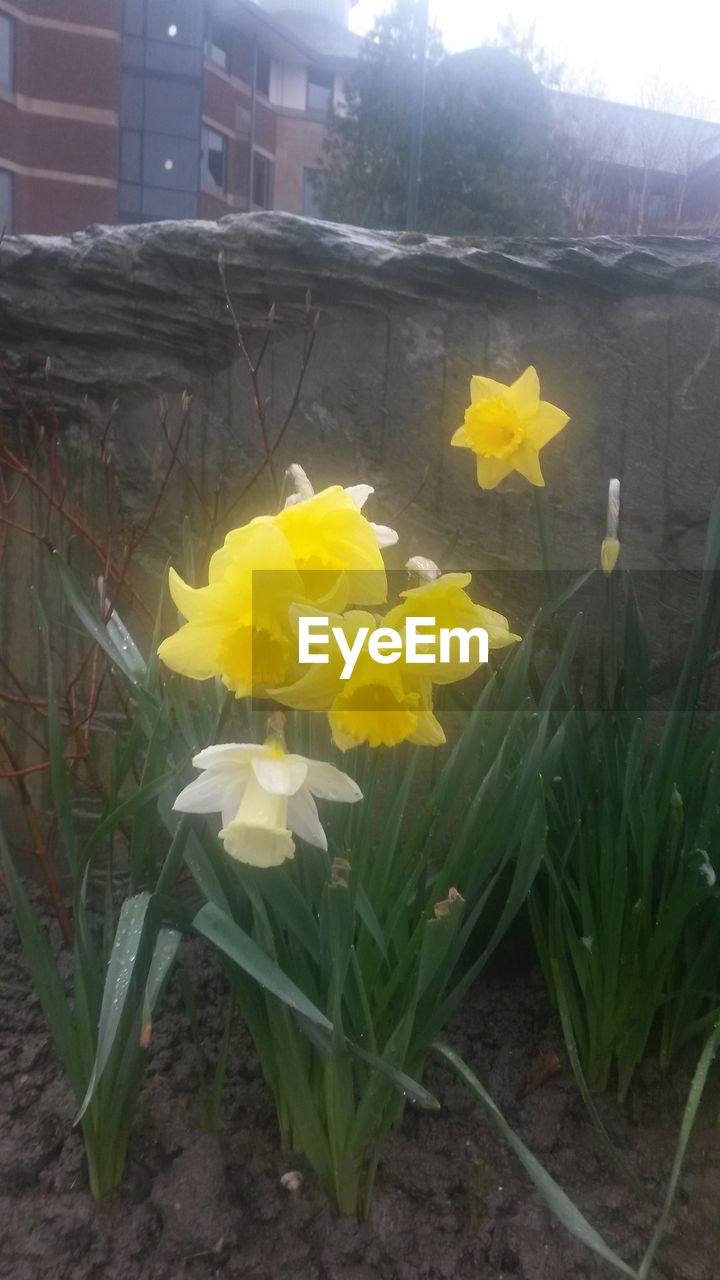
<point>280,776</point>
<point>314,691</point>
<point>255,546</point>
<point>428,732</point>
<point>485,388</point>
<point>527,463</point>
<point>194,650</point>
<point>461,438</point>
<point>205,794</point>
<point>545,425</point>
<point>231,755</point>
<point>303,819</point>
<point>524,393</point>
<point>386,537</point>
<point>490,471</point>
<point>328,783</point>
<point>427,589</point>
<point>360,494</point>
<point>343,740</point>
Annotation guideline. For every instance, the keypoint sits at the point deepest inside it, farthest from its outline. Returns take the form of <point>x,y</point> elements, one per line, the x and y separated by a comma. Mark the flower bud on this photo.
<point>423,567</point>
<point>609,552</point>
<point>610,549</point>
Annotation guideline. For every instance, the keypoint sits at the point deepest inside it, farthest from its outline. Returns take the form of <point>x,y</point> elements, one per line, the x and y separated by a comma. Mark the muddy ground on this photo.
<point>450,1201</point>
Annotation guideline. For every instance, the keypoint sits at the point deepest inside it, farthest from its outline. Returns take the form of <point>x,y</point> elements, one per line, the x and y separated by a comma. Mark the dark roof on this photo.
<point>639,137</point>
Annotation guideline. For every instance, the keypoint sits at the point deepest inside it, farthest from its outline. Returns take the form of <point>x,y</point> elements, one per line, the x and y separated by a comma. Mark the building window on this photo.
<point>213,160</point>
<point>177,21</point>
<point>134,17</point>
<point>6,54</point>
<point>262,73</point>
<point>6,201</point>
<point>261,181</point>
<point>320,86</point>
<point>311,193</point>
<point>218,43</point>
<point>172,106</point>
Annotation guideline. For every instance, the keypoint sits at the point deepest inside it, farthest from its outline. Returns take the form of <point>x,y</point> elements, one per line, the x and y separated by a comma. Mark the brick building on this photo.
<point>131,110</point>
<point>128,110</point>
<point>636,171</point>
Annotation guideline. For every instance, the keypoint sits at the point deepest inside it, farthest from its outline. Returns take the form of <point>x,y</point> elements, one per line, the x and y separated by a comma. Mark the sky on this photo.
<point>636,50</point>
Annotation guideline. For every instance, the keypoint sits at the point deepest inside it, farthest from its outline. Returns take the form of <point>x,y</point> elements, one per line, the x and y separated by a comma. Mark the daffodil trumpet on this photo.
<point>264,795</point>
<point>382,705</point>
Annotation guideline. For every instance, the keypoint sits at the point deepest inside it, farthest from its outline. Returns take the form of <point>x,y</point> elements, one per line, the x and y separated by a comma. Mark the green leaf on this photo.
<point>43,972</point>
<point>697,1087</point>
<point>561,1205</point>
<point>163,959</point>
<point>123,958</point>
<point>95,628</point>
<point>400,1080</point>
<point>235,943</point>
<point>120,637</point>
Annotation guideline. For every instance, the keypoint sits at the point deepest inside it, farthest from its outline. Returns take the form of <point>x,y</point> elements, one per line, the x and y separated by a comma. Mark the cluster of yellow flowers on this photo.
<point>321,555</point>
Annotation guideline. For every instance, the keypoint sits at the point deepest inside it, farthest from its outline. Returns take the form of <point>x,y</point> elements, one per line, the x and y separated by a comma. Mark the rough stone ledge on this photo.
<point>141,306</point>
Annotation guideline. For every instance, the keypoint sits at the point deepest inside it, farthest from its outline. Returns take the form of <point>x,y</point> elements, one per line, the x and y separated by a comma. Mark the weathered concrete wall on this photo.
<point>625,336</point>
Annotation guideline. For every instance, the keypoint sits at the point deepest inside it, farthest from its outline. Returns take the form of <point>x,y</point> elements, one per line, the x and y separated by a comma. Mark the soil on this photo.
<point>451,1200</point>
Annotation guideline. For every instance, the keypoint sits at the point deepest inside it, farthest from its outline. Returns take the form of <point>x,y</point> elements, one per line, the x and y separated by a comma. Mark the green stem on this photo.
<point>541,516</point>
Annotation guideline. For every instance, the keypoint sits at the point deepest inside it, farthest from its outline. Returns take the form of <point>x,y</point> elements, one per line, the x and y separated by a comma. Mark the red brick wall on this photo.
<point>91,13</point>
<point>299,144</point>
<point>51,142</point>
<point>44,207</point>
<point>61,74</point>
<point>61,66</point>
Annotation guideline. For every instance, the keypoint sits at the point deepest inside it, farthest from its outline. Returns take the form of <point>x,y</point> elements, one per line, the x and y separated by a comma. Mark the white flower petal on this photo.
<point>229,755</point>
<point>328,783</point>
<point>232,797</point>
<point>280,775</point>
<point>359,494</point>
<point>303,487</point>
<point>303,819</point>
<point>386,537</point>
<point>203,795</point>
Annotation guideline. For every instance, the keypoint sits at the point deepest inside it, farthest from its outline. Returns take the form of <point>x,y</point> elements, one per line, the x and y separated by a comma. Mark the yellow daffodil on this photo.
<point>378,704</point>
<point>336,549</point>
<point>321,550</point>
<point>263,795</point>
<point>506,427</point>
<point>238,626</point>
<point>384,535</point>
<point>333,548</point>
<point>445,600</point>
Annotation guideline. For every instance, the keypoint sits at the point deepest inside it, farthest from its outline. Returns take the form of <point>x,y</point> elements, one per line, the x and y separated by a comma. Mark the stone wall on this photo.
<point>625,336</point>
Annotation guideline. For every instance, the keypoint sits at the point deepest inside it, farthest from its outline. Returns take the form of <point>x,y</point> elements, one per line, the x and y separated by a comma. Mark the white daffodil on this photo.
<point>359,493</point>
<point>264,795</point>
